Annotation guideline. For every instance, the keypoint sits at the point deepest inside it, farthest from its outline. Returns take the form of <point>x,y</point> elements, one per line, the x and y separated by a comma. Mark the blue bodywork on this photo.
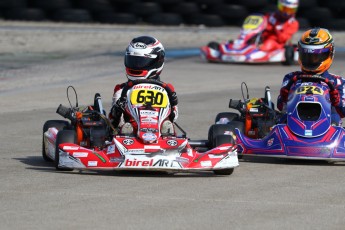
<point>305,133</point>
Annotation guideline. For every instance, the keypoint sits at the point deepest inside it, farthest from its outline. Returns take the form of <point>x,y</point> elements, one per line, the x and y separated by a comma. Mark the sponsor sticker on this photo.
<point>308,132</point>
<point>190,152</point>
<point>139,45</point>
<point>149,113</point>
<point>206,163</point>
<point>149,137</point>
<point>128,141</point>
<point>116,159</point>
<point>135,151</point>
<point>152,147</point>
<point>270,142</point>
<point>92,163</point>
<point>70,148</point>
<point>111,149</point>
<point>213,156</point>
<point>182,160</point>
<point>80,154</point>
<point>172,142</point>
<point>149,120</point>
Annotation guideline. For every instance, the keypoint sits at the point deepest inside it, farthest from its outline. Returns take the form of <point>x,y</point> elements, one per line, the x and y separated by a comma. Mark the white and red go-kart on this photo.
<point>245,49</point>
<point>87,141</point>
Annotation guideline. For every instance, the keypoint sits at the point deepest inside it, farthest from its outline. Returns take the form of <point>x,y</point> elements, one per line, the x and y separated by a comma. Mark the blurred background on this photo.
<point>212,13</point>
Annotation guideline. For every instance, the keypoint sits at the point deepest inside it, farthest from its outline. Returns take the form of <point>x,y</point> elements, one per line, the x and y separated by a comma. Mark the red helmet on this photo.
<point>287,8</point>
<point>316,50</point>
<point>144,58</point>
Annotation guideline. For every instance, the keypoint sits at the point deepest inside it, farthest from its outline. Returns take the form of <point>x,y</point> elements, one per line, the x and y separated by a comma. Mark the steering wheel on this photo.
<point>310,78</point>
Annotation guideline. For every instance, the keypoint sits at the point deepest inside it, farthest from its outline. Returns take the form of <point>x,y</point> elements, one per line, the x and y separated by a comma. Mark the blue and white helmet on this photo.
<point>144,58</point>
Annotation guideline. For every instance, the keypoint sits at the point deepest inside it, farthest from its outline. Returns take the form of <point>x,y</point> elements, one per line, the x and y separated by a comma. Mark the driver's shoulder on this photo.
<point>293,74</point>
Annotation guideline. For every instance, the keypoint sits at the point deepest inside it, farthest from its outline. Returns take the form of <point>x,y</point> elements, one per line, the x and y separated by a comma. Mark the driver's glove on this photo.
<point>120,104</point>
<point>334,97</point>
<point>117,110</point>
<point>173,99</point>
<point>284,94</point>
<point>174,114</point>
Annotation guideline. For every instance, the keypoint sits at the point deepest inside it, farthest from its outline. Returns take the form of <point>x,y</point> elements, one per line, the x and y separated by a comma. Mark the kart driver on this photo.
<point>316,52</point>
<point>282,25</point>
<point>144,59</point>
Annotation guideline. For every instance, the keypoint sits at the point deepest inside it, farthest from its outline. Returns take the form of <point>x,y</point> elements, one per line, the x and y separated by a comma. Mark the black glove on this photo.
<point>173,99</point>
<point>118,108</point>
<point>120,104</point>
<point>174,114</point>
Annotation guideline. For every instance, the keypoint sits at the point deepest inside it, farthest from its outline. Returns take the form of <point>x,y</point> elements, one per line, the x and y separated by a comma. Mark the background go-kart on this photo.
<point>38,62</point>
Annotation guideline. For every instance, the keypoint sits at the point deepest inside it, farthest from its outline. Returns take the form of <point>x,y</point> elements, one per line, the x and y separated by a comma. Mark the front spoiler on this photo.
<point>281,143</point>
<point>85,159</point>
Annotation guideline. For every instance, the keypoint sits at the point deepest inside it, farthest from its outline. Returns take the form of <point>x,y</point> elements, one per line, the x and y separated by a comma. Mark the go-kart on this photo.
<point>306,131</point>
<point>245,49</point>
<point>89,141</point>
<point>254,117</point>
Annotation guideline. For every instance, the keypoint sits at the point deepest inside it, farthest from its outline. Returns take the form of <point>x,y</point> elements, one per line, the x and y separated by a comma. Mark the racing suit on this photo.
<point>279,30</point>
<point>118,116</point>
<point>337,97</point>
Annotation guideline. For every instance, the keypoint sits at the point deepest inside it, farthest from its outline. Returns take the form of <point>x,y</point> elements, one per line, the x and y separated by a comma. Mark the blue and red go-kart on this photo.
<point>306,131</point>
<point>245,49</point>
<point>89,141</point>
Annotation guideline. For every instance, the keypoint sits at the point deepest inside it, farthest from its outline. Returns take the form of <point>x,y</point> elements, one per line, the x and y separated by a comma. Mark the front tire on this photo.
<point>219,140</point>
<point>59,125</point>
<point>224,172</point>
<point>64,136</point>
<point>213,45</point>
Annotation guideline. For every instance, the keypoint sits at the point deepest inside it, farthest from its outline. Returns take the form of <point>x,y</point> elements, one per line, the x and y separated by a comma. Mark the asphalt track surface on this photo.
<point>260,194</point>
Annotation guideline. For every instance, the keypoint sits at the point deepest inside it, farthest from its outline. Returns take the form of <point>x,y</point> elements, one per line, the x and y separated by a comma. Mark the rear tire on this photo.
<point>64,136</point>
<point>59,125</point>
<point>222,129</point>
<point>223,139</point>
<point>289,55</point>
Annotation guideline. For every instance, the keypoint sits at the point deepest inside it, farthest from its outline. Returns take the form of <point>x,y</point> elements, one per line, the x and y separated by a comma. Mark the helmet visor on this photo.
<point>286,10</point>
<point>312,58</point>
<point>138,62</point>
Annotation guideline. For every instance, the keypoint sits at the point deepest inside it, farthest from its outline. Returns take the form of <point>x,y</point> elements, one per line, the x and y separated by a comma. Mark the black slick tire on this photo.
<point>64,136</point>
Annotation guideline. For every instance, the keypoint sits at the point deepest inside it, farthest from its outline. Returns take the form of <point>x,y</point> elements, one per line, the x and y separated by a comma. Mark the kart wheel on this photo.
<point>213,45</point>
<point>223,139</point>
<point>225,172</point>
<point>228,115</point>
<point>59,125</point>
<point>222,129</point>
<point>219,140</point>
<point>64,136</point>
<point>289,55</point>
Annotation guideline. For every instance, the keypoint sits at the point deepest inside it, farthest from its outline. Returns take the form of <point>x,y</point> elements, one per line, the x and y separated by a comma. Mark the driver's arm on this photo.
<point>283,94</point>
<point>173,102</point>
<point>286,32</point>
